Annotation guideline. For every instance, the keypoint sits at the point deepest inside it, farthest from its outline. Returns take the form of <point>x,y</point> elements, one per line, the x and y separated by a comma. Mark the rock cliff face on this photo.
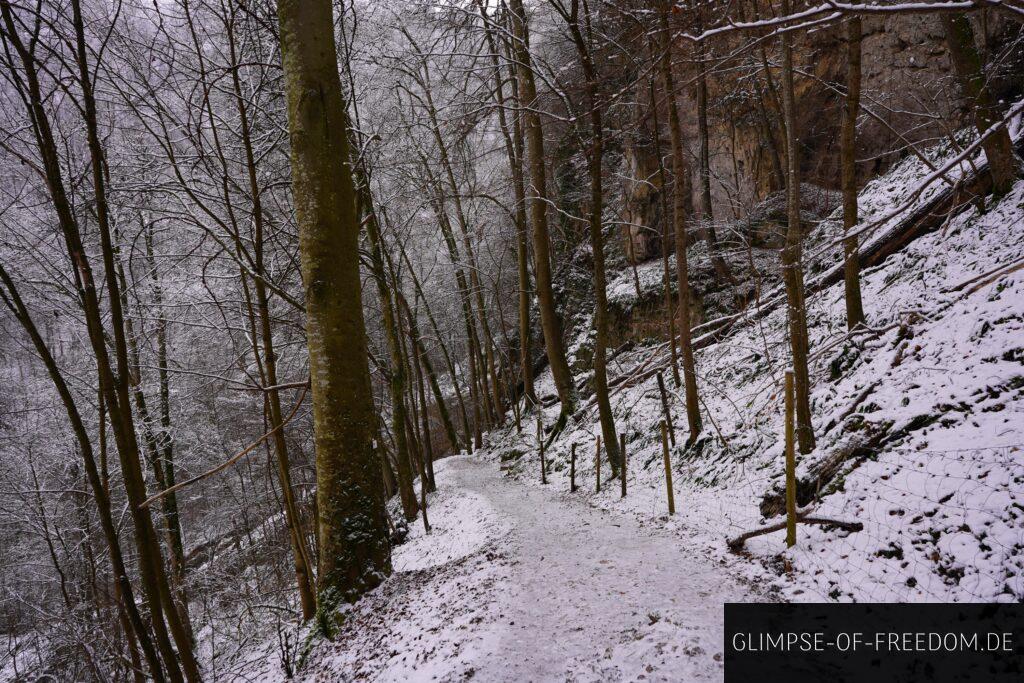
<point>909,102</point>
<point>643,207</point>
<point>908,99</point>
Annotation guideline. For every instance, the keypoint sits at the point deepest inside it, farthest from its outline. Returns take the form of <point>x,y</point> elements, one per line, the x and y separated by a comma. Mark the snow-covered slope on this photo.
<point>923,410</point>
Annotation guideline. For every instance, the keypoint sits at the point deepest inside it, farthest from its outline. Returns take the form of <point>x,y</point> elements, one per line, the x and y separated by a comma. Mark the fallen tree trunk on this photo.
<point>820,473</point>
<point>926,217</point>
<point>737,542</point>
<point>846,456</point>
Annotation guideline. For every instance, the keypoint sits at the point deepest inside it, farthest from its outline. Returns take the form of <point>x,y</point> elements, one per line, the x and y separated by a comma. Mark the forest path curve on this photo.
<point>598,595</point>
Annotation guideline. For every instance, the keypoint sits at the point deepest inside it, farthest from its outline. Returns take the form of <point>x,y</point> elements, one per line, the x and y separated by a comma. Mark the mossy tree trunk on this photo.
<point>355,554</point>
<point>266,359</point>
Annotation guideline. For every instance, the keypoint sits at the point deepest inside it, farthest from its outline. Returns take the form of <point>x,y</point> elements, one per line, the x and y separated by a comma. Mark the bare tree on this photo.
<point>848,163</point>
<point>679,197</point>
<point>534,133</point>
<point>792,253</point>
<point>582,33</point>
<point>350,501</point>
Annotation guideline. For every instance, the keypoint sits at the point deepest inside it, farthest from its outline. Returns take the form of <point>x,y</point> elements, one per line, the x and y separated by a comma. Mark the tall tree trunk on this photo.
<point>679,197</point>
<point>848,160</point>
<point>663,189</point>
<point>970,72</point>
<point>355,553</point>
<point>267,362</point>
<point>396,371</point>
<point>792,254</point>
<point>514,152</point>
<point>594,160</point>
<point>523,272</point>
<point>722,272</point>
<point>266,357</point>
<point>428,446</point>
<point>549,318</point>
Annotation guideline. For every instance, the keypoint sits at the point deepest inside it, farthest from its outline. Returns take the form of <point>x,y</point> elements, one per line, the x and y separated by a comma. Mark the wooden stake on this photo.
<point>664,409</point>
<point>516,412</point>
<point>790,463</point>
<point>572,469</point>
<point>423,500</point>
<point>540,443</point>
<point>668,469</point>
<point>622,454</point>
<point>597,464</point>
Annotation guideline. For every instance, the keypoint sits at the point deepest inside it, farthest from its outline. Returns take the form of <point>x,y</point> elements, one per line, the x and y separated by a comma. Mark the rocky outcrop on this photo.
<point>908,98</point>
<point>765,225</point>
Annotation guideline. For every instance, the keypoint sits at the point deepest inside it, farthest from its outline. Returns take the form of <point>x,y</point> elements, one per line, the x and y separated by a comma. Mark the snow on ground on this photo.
<point>938,381</point>
<point>601,596</point>
<point>546,588</point>
<point>461,523</point>
<point>524,581</point>
<point>621,290</point>
<point>433,619</point>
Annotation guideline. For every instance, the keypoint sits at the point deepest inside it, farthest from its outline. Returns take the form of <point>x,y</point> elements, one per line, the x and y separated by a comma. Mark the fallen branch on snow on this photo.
<point>988,276</point>
<point>737,543</point>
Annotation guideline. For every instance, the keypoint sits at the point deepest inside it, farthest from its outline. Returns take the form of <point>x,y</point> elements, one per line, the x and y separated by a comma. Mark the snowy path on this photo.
<point>520,583</point>
<point>598,596</point>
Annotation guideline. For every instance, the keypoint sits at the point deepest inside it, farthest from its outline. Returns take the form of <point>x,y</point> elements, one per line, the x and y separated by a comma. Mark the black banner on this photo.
<point>794,643</point>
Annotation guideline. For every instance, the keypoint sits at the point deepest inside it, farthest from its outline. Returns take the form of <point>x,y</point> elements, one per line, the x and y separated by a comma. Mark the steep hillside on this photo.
<point>918,417</point>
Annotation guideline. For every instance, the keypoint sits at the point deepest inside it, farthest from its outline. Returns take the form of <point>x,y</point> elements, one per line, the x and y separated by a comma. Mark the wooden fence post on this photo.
<point>668,469</point>
<point>622,452</point>
<point>664,409</point>
<point>790,464</point>
<point>572,468</point>
<point>597,464</point>
<point>540,442</point>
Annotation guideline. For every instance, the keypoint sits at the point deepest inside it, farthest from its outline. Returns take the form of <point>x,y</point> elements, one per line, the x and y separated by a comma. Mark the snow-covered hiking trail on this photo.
<point>520,582</point>
<point>598,595</point>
